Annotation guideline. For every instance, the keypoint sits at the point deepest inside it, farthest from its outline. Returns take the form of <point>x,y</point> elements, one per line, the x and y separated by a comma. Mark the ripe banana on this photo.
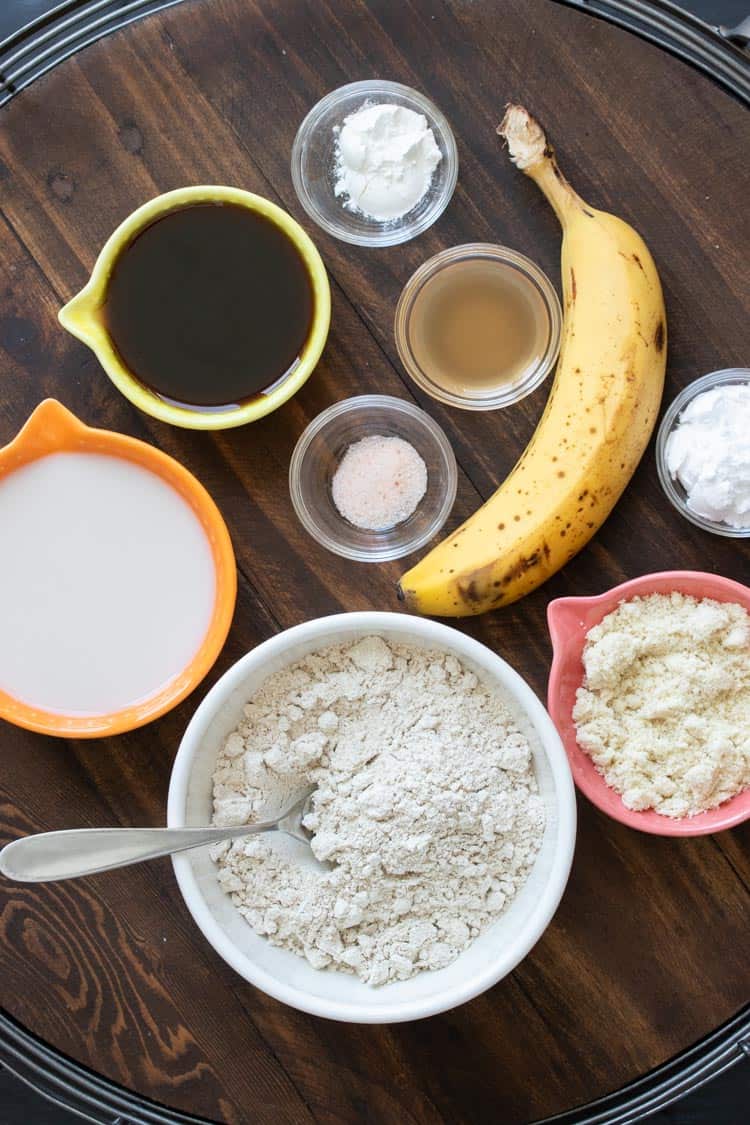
<point>599,416</point>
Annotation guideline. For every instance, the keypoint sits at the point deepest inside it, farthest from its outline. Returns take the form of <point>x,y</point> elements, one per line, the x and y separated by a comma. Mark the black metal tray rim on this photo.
<point>74,24</point>
<point>99,1100</point>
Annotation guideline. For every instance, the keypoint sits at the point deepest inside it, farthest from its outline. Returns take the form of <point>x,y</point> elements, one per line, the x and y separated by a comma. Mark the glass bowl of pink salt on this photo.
<point>373,478</point>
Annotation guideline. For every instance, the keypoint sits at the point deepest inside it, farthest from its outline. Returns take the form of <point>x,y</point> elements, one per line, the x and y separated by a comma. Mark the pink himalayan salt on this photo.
<point>379,482</point>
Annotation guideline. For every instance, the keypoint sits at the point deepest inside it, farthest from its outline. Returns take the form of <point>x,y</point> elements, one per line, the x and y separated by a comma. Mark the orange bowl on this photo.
<point>569,621</point>
<point>53,429</point>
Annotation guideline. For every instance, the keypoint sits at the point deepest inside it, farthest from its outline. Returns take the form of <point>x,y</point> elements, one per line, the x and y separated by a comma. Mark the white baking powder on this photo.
<point>385,159</point>
<point>427,811</point>
<point>709,453</point>
<point>379,482</point>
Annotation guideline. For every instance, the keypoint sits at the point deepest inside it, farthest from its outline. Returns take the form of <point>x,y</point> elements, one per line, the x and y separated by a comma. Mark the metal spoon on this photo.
<point>739,34</point>
<point>48,856</point>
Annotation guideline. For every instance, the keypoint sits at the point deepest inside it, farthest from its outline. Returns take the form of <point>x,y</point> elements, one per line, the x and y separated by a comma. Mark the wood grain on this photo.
<point>648,950</point>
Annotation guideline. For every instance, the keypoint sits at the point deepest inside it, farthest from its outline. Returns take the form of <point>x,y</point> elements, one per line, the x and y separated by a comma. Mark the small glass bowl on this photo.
<point>314,161</point>
<point>674,491</point>
<point>319,451</point>
<point>507,393</point>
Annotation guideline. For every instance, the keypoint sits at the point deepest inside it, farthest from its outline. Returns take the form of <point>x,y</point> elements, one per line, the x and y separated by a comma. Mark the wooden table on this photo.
<point>648,951</point>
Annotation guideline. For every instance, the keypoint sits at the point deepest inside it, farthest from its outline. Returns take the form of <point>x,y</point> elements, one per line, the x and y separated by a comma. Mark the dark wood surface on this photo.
<point>649,948</point>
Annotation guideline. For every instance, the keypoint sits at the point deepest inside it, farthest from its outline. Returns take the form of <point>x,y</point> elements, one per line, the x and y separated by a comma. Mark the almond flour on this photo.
<point>427,812</point>
<point>664,709</point>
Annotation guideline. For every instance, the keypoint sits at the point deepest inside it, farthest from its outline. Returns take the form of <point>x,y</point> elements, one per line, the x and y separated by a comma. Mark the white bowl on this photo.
<point>285,975</point>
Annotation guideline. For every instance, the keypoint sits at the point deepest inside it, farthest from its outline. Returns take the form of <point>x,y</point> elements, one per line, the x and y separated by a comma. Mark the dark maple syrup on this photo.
<point>210,305</point>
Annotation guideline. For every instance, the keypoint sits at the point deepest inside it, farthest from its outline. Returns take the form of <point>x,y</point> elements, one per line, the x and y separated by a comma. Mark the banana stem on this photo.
<point>530,151</point>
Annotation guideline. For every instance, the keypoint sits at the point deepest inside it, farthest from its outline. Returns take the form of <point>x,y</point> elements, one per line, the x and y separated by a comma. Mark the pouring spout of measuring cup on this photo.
<point>79,317</point>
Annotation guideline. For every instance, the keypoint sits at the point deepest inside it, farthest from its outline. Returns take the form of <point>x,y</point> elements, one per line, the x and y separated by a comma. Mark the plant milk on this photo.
<point>107,583</point>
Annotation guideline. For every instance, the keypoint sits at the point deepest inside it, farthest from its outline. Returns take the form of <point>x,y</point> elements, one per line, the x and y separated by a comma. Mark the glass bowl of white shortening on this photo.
<point>291,978</point>
<point>673,487</point>
<point>314,165</point>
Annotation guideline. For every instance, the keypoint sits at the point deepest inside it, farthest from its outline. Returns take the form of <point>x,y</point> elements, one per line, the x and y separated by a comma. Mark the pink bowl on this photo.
<point>569,621</point>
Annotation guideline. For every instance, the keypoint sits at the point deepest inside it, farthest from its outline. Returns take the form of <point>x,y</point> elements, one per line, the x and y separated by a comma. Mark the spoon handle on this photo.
<point>48,856</point>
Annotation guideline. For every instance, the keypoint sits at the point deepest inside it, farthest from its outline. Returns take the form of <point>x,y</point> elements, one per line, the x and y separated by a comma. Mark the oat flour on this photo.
<point>427,809</point>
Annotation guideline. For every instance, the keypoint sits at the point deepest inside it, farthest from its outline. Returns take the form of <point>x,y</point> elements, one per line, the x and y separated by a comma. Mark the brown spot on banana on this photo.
<point>479,587</point>
<point>524,564</point>
<point>659,336</point>
<point>470,592</point>
<point>475,587</point>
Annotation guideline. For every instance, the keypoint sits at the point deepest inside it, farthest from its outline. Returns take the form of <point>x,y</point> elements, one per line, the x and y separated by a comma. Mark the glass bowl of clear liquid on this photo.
<point>478,326</point>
